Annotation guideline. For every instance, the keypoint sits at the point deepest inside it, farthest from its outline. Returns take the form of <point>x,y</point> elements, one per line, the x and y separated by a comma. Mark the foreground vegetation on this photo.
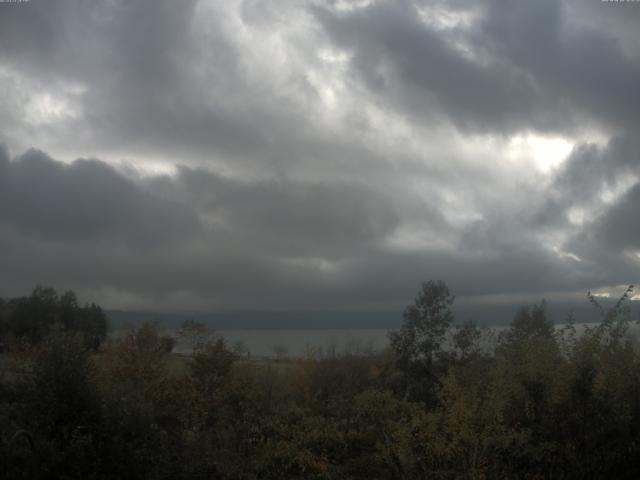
<point>443,401</point>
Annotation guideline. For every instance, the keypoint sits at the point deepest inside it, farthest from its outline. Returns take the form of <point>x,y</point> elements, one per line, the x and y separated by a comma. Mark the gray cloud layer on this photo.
<point>521,65</point>
<point>316,155</point>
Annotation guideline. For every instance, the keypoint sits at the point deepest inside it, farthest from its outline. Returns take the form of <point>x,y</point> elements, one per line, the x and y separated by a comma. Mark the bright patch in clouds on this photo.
<point>610,193</point>
<point>442,19</point>
<point>545,153</point>
<point>563,254</point>
<point>576,216</point>
<point>385,133</point>
<point>47,108</point>
<point>350,5</point>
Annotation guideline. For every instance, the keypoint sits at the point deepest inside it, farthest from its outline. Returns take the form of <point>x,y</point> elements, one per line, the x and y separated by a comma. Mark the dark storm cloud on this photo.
<point>294,218</point>
<point>205,240</point>
<point>589,170</point>
<point>136,63</point>
<point>619,228</point>
<point>590,166</point>
<point>71,38</point>
<point>572,64</point>
<point>611,232</point>
<point>152,77</point>
<point>418,69</point>
<point>89,199</point>
<point>525,66</point>
<point>196,231</point>
<point>601,184</point>
<point>306,178</point>
<point>279,242</point>
<point>85,201</point>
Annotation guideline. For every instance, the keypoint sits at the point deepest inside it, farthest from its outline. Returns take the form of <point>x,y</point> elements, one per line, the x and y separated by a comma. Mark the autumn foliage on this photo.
<point>444,400</point>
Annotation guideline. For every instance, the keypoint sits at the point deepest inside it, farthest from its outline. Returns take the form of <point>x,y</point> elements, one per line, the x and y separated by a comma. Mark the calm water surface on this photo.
<point>294,342</point>
<point>263,343</point>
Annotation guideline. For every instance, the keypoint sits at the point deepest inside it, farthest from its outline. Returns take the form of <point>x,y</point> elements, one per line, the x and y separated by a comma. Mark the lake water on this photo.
<point>263,343</point>
<point>297,342</point>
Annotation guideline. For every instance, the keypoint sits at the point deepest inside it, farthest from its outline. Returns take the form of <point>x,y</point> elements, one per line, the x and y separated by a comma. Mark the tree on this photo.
<point>241,349</point>
<point>95,325</point>
<point>530,326</point>
<point>425,324</point>
<point>210,366</point>
<point>29,319</point>
<point>466,340</point>
<point>167,343</point>
<point>418,343</point>
<point>60,404</point>
<point>280,351</point>
<point>615,321</point>
<point>195,334</point>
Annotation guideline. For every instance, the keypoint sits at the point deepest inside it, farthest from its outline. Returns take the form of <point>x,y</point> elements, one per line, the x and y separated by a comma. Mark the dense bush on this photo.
<point>27,320</point>
<point>443,401</point>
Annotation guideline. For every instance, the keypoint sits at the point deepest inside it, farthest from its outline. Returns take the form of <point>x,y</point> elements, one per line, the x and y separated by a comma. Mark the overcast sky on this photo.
<point>329,154</point>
